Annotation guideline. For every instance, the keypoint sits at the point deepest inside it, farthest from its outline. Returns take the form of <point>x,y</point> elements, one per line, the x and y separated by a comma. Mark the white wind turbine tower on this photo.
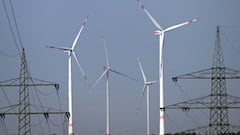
<point>161,32</point>
<point>71,52</point>
<point>146,88</point>
<point>107,69</point>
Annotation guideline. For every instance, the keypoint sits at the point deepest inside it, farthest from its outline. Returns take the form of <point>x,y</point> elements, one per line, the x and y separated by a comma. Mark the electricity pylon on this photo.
<point>219,101</point>
<point>24,82</point>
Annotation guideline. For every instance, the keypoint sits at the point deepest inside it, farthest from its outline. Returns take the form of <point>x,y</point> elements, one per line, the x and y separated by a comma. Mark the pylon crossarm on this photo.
<point>201,129</point>
<point>32,113</point>
<point>232,74</point>
<point>33,82</point>
<point>38,82</point>
<point>199,103</point>
<point>10,82</point>
<point>204,103</point>
<point>8,108</point>
<point>207,74</point>
<point>202,74</point>
<point>234,128</point>
<point>233,101</point>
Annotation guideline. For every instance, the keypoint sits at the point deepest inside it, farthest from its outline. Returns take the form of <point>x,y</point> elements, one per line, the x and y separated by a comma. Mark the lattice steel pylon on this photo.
<point>220,100</point>
<point>219,122</point>
<point>24,124</point>
<point>24,82</point>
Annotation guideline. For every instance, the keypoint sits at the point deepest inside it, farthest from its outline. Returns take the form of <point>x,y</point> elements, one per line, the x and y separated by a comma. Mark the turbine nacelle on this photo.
<point>151,82</point>
<point>106,68</point>
<point>193,20</point>
<point>158,32</point>
<point>67,51</point>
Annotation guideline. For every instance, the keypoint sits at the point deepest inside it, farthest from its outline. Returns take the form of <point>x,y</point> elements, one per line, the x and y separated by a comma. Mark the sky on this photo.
<point>129,35</point>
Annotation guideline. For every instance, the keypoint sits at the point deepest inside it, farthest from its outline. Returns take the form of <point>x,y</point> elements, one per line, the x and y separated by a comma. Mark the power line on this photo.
<point>62,119</point>
<point>189,98</point>
<point>232,45</point>
<point>4,127</point>
<point>15,22</point>
<point>8,55</point>
<point>8,100</point>
<point>11,27</point>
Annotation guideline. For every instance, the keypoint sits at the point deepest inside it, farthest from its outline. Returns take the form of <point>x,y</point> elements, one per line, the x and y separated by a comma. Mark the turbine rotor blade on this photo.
<point>143,74</point>
<point>79,33</point>
<point>59,48</point>
<point>141,97</point>
<point>95,84</point>
<point>180,25</point>
<point>105,49</point>
<point>150,16</point>
<point>122,74</point>
<point>143,91</point>
<point>80,67</point>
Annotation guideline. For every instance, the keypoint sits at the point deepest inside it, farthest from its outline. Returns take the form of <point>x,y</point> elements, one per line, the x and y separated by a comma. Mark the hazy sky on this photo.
<point>129,34</point>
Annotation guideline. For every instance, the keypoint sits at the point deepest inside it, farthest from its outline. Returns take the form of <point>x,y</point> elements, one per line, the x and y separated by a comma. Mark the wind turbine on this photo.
<point>107,69</point>
<point>146,88</point>
<point>161,32</point>
<point>71,52</point>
